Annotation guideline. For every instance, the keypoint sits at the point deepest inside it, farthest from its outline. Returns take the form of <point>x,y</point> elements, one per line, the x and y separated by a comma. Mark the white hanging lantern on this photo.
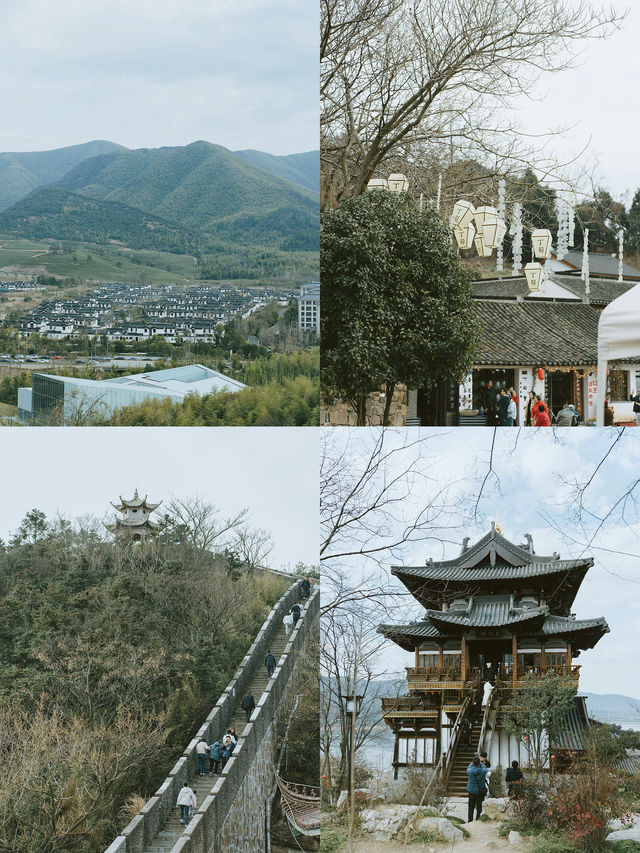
<point>493,231</point>
<point>462,214</point>
<point>533,273</point>
<point>378,184</point>
<point>481,247</point>
<point>464,236</point>
<point>481,215</point>
<point>398,183</point>
<point>541,242</point>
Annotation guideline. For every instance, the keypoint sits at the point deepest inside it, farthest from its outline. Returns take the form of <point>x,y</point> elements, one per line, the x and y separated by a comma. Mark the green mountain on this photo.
<point>207,188</point>
<point>55,213</point>
<point>25,171</point>
<point>303,169</point>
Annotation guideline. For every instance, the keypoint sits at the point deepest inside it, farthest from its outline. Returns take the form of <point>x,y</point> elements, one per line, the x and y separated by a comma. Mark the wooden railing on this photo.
<point>407,705</point>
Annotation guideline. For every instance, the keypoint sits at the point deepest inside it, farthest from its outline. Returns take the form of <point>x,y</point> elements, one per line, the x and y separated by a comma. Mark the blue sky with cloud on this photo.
<point>240,74</point>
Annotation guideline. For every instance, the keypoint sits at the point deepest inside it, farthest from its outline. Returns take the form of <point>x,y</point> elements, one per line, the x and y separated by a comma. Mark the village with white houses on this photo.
<point>135,313</point>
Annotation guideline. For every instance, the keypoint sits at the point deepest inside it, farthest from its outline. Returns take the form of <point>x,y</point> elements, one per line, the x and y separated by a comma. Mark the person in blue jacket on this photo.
<point>477,773</point>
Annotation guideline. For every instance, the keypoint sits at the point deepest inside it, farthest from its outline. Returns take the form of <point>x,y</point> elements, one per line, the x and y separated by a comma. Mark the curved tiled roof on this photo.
<point>547,334</point>
<point>494,614</point>
<point>500,571</point>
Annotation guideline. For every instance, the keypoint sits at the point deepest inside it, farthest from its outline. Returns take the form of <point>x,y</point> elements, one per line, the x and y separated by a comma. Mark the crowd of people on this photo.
<point>501,408</point>
<point>216,756</point>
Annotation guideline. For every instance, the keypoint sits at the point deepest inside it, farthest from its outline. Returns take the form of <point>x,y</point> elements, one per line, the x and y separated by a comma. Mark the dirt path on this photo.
<point>484,838</point>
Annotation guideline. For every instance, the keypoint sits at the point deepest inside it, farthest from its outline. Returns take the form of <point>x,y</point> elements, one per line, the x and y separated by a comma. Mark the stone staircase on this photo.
<point>173,829</point>
<point>457,784</point>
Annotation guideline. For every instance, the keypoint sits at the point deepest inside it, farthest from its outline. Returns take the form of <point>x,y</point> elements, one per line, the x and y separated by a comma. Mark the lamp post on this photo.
<point>352,706</point>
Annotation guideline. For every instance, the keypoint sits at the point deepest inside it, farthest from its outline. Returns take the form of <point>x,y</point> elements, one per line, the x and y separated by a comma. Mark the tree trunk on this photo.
<point>361,410</point>
<point>389,389</point>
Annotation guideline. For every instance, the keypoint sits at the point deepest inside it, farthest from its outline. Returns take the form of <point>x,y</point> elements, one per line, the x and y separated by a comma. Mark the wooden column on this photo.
<point>569,661</point>
<point>440,660</point>
<point>395,758</point>
<point>463,658</point>
<point>514,655</point>
<point>417,657</point>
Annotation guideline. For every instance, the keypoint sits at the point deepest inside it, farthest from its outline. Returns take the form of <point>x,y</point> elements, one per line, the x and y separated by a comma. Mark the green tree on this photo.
<point>537,712</point>
<point>396,303</point>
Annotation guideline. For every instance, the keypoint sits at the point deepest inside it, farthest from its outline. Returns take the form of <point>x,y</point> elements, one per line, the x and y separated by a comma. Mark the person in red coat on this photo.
<point>542,418</point>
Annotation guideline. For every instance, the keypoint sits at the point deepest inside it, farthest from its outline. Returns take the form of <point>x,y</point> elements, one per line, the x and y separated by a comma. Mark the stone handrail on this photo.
<point>144,827</point>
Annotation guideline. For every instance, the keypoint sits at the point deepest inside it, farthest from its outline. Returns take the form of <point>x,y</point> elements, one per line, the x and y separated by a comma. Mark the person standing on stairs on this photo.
<point>248,704</point>
<point>270,663</point>
<point>288,622</point>
<point>228,749</point>
<point>305,588</point>
<point>186,800</point>
<point>215,755</point>
<point>296,611</point>
<point>202,750</point>
<point>477,773</point>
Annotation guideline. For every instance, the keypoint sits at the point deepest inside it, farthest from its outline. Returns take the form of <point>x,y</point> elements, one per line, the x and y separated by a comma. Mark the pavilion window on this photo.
<point>528,660</point>
<point>428,660</point>
<point>452,661</point>
<point>557,660</point>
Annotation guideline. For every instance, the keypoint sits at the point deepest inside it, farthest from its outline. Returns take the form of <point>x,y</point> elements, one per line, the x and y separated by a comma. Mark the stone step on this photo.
<point>167,837</point>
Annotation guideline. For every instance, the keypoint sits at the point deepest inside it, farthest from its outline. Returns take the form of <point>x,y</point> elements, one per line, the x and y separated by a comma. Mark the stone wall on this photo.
<point>141,831</point>
<point>234,817</point>
<point>340,413</point>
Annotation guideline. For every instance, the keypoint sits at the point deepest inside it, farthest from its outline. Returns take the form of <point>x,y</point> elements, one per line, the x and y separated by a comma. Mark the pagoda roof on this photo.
<point>582,633</point>
<point>136,502</point>
<point>133,523</point>
<point>494,559</point>
<point>494,614</point>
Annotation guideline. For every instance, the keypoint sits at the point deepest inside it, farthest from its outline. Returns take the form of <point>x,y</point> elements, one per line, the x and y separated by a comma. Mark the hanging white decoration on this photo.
<point>620,249</point>
<point>572,220</point>
<point>439,195</point>
<point>584,275</point>
<point>562,214</point>
<point>502,186</point>
<point>516,233</point>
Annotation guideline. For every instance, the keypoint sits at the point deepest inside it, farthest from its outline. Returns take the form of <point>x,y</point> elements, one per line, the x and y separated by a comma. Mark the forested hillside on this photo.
<point>63,215</point>
<point>110,657</point>
<point>204,187</point>
<point>21,172</point>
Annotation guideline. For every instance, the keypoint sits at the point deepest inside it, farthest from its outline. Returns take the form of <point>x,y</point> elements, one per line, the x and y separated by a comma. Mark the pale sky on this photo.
<point>532,467</point>
<point>239,73</point>
<point>598,100</point>
<point>79,471</point>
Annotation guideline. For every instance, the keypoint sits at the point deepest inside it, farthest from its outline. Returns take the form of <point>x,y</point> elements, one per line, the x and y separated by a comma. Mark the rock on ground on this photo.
<point>386,821</point>
<point>632,834</point>
<point>515,839</point>
<point>440,825</point>
<point>497,808</point>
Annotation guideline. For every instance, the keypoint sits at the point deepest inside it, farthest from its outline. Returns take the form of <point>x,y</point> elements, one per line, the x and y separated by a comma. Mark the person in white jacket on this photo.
<point>186,800</point>
<point>288,623</point>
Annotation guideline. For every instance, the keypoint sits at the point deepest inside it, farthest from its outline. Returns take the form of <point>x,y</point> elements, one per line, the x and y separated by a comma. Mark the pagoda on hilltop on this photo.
<point>492,614</point>
<point>135,524</point>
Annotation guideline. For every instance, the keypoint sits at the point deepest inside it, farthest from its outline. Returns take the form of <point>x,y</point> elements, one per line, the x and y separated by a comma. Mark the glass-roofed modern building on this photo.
<point>72,397</point>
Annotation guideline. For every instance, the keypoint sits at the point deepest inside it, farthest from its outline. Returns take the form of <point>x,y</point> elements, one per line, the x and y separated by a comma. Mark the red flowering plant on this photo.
<point>582,805</point>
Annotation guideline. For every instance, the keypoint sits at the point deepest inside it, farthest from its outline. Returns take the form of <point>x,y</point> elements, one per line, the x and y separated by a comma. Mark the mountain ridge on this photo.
<point>202,189</point>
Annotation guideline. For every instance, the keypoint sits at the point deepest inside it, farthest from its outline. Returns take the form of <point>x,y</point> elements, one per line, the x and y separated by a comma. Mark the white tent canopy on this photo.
<point>618,337</point>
